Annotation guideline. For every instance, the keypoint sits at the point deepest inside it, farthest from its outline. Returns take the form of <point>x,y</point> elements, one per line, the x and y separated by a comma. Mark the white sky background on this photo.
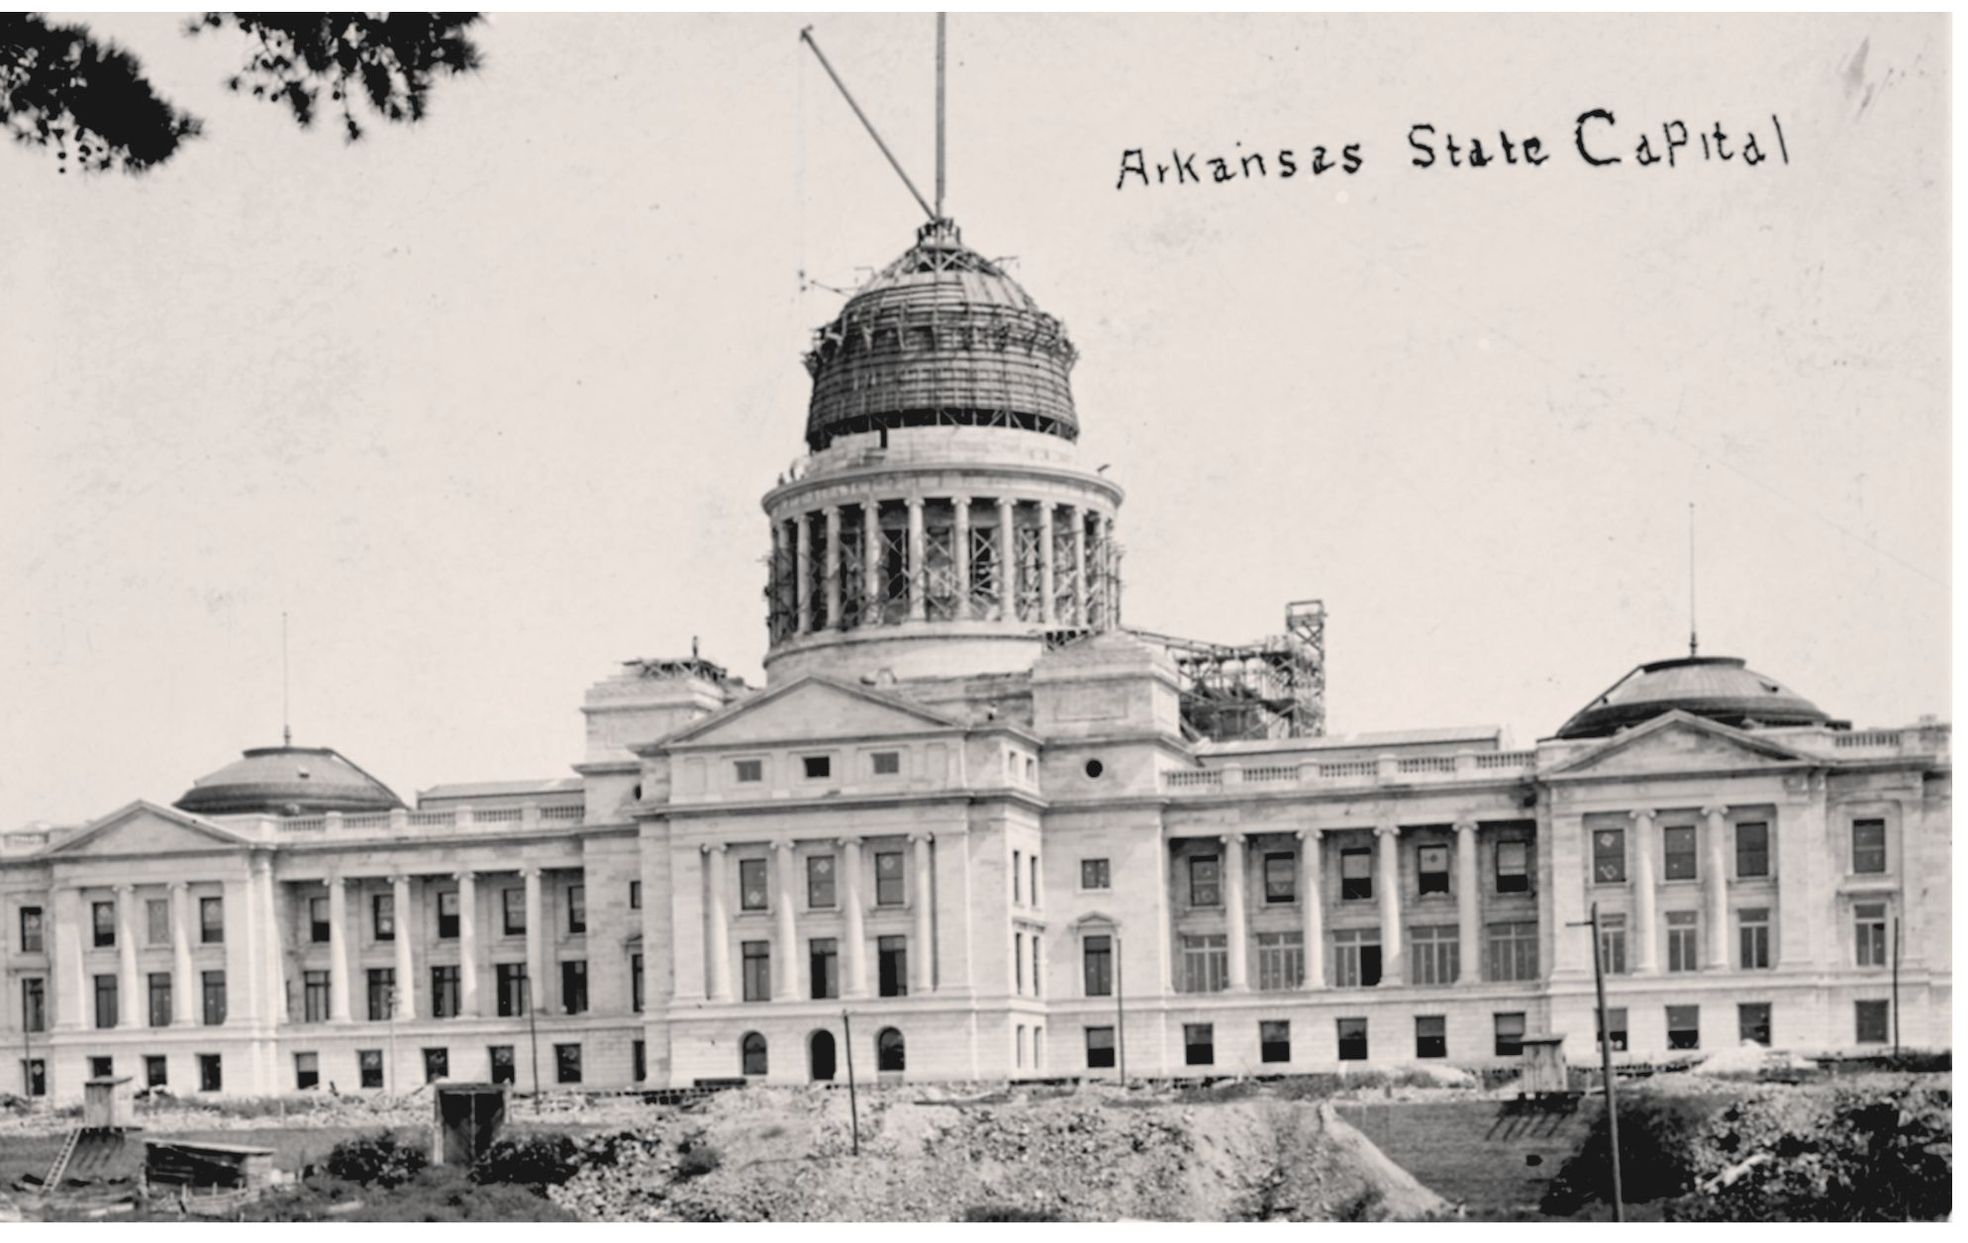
<point>487,404</point>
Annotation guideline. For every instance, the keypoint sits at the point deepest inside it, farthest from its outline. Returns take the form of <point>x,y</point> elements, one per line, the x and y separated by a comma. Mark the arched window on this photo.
<point>888,1050</point>
<point>752,1047</point>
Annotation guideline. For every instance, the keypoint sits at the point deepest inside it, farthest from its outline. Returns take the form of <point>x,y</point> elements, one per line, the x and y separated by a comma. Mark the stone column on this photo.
<point>1311,907</point>
<point>1007,559</point>
<point>1237,931</point>
<point>918,578</point>
<point>803,574</point>
<point>1393,961</point>
<point>1715,890</point>
<point>855,951</point>
<point>1645,958</point>
<point>467,944</point>
<point>338,958</point>
<point>1110,576</point>
<point>130,1001</point>
<point>871,562</point>
<point>1081,614</point>
<point>960,554</point>
<point>69,928</point>
<point>1048,572</point>
<point>406,967</point>
<point>775,580</point>
<point>787,984</point>
<point>922,953</point>
<point>536,940</point>
<point>184,981</point>
<point>717,947</point>
<point>273,938</point>
<point>834,567</point>
<point>1469,906</point>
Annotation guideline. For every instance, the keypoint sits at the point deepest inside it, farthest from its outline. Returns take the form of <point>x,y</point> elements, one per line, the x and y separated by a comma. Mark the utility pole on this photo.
<point>853,1105</point>
<point>1120,1013</point>
<point>1896,988</point>
<point>1605,1057</point>
<point>389,1071</point>
<point>533,1032</point>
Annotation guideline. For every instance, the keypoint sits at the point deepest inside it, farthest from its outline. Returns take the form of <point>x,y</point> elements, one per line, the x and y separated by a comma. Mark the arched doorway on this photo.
<point>889,1053</point>
<point>751,1048</point>
<point>820,1056</point>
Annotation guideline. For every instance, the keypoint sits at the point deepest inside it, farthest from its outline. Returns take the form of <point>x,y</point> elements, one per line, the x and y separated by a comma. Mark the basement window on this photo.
<point>1352,1040</point>
<point>1099,1048</point>
<point>1431,1035</point>
<point>1199,1044</point>
<point>1274,1040</point>
<point>1684,1027</point>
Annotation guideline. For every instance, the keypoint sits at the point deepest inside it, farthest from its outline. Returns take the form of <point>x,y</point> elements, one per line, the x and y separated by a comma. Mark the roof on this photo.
<point>501,789</point>
<point>288,781</point>
<point>1721,688</point>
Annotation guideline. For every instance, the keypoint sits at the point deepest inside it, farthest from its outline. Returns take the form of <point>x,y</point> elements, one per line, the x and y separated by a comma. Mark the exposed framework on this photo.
<point>1272,688</point>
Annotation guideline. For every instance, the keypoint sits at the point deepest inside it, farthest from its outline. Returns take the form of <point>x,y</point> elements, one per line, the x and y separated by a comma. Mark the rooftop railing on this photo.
<point>406,823</point>
<point>1383,770</point>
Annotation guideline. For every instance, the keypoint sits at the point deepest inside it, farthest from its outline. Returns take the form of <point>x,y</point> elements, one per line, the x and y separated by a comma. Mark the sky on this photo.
<point>486,405</point>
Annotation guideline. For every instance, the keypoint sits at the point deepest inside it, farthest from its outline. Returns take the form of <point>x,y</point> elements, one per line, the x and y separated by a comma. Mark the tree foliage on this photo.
<point>64,90</point>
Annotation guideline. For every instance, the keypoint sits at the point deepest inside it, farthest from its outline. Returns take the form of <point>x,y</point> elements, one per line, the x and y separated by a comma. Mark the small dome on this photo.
<point>942,337</point>
<point>287,781</point>
<point>1721,688</point>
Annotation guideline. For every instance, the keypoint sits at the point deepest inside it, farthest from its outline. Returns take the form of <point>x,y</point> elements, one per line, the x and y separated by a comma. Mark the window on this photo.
<point>1615,1032</point>
<point>1352,1040</point>
<point>888,878</point>
<point>160,999</point>
<point>382,916</point>
<point>1273,1040</point>
<point>104,914</point>
<point>1753,1022</point>
<point>636,984</point>
<point>1099,1048</point>
<point>1017,865</point>
<point>817,766</point>
<point>1683,941</point>
<point>1432,868</point>
<point>1097,957</point>
<point>447,915</point>
<point>1433,955</point>
<point>510,980</point>
<point>34,1003</point>
<point>307,1071</point>
<point>444,992</point>
<point>1609,856</point>
<point>370,1064</point>
<point>1280,960</point>
<point>567,1063</point>
<point>1037,980</point>
<point>1754,923</point>
<point>1280,878</point>
<point>105,1001</point>
<point>1018,962</point>
<point>819,882</point>
<point>214,989</point>
<point>574,986</point>
<point>1872,1020</point>
<point>1431,1035</point>
<point>157,1070</point>
<point>382,992</point>
<point>1094,874</point>
<point>751,885</point>
<point>157,922</point>
<point>639,1055</point>
<point>1356,957</point>
<point>1752,849</point>
<point>34,1077</point>
<point>30,930</point>
<point>751,1052</point>
<point>1513,866</point>
<point>1684,1027</point>
<point>1205,881</point>
<point>437,1065</point>
<point>209,1077</point>
<point>635,895</point>
<point>889,1051</point>
<point>1032,862</point>
<point>314,996</point>
<point>1514,950</point>
<point>1356,874</point>
<point>504,1069</point>
<point>1869,931</point>
<point>1510,1035</point>
<point>1199,1044</point>
<point>758,970</point>
<point>1612,944</point>
<point>886,763</point>
<point>1678,849</point>
<point>748,772</point>
<point>512,910</point>
<point>892,966</point>
<point>1868,850</point>
<point>102,1067</point>
<point>577,910</point>
<point>211,921</point>
<point>823,967</point>
<point>1205,963</point>
<point>318,925</point>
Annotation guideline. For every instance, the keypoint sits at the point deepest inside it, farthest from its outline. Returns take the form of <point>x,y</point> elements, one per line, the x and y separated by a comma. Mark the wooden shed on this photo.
<point>1544,1067</point>
<point>469,1116</point>
<point>107,1104</point>
<point>201,1166</point>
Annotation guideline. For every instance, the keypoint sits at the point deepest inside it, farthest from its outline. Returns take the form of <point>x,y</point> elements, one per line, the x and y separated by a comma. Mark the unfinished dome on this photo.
<point>288,781</point>
<point>942,337</point>
<point>1721,688</point>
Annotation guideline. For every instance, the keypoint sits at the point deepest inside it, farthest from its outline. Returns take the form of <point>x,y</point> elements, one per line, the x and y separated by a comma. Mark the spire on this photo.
<point>286,716</point>
<point>1694,645</point>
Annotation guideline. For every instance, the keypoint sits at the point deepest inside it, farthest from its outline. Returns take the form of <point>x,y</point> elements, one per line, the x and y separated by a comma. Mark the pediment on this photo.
<point>815,709</point>
<point>1681,742</point>
<point>144,828</point>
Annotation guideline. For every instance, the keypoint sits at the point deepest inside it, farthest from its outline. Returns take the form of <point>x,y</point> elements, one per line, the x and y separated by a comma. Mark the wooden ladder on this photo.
<point>59,1169</point>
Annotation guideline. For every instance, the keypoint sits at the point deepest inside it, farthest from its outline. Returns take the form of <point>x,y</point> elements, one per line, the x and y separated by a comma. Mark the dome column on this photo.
<point>871,562</point>
<point>1081,616</point>
<point>918,581</point>
<point>1007,559</point>
<point>1047,571</point>
<point>834,567</point>
<point>1110,576</point>
<point>803,571</point>
<point>960,555</point>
